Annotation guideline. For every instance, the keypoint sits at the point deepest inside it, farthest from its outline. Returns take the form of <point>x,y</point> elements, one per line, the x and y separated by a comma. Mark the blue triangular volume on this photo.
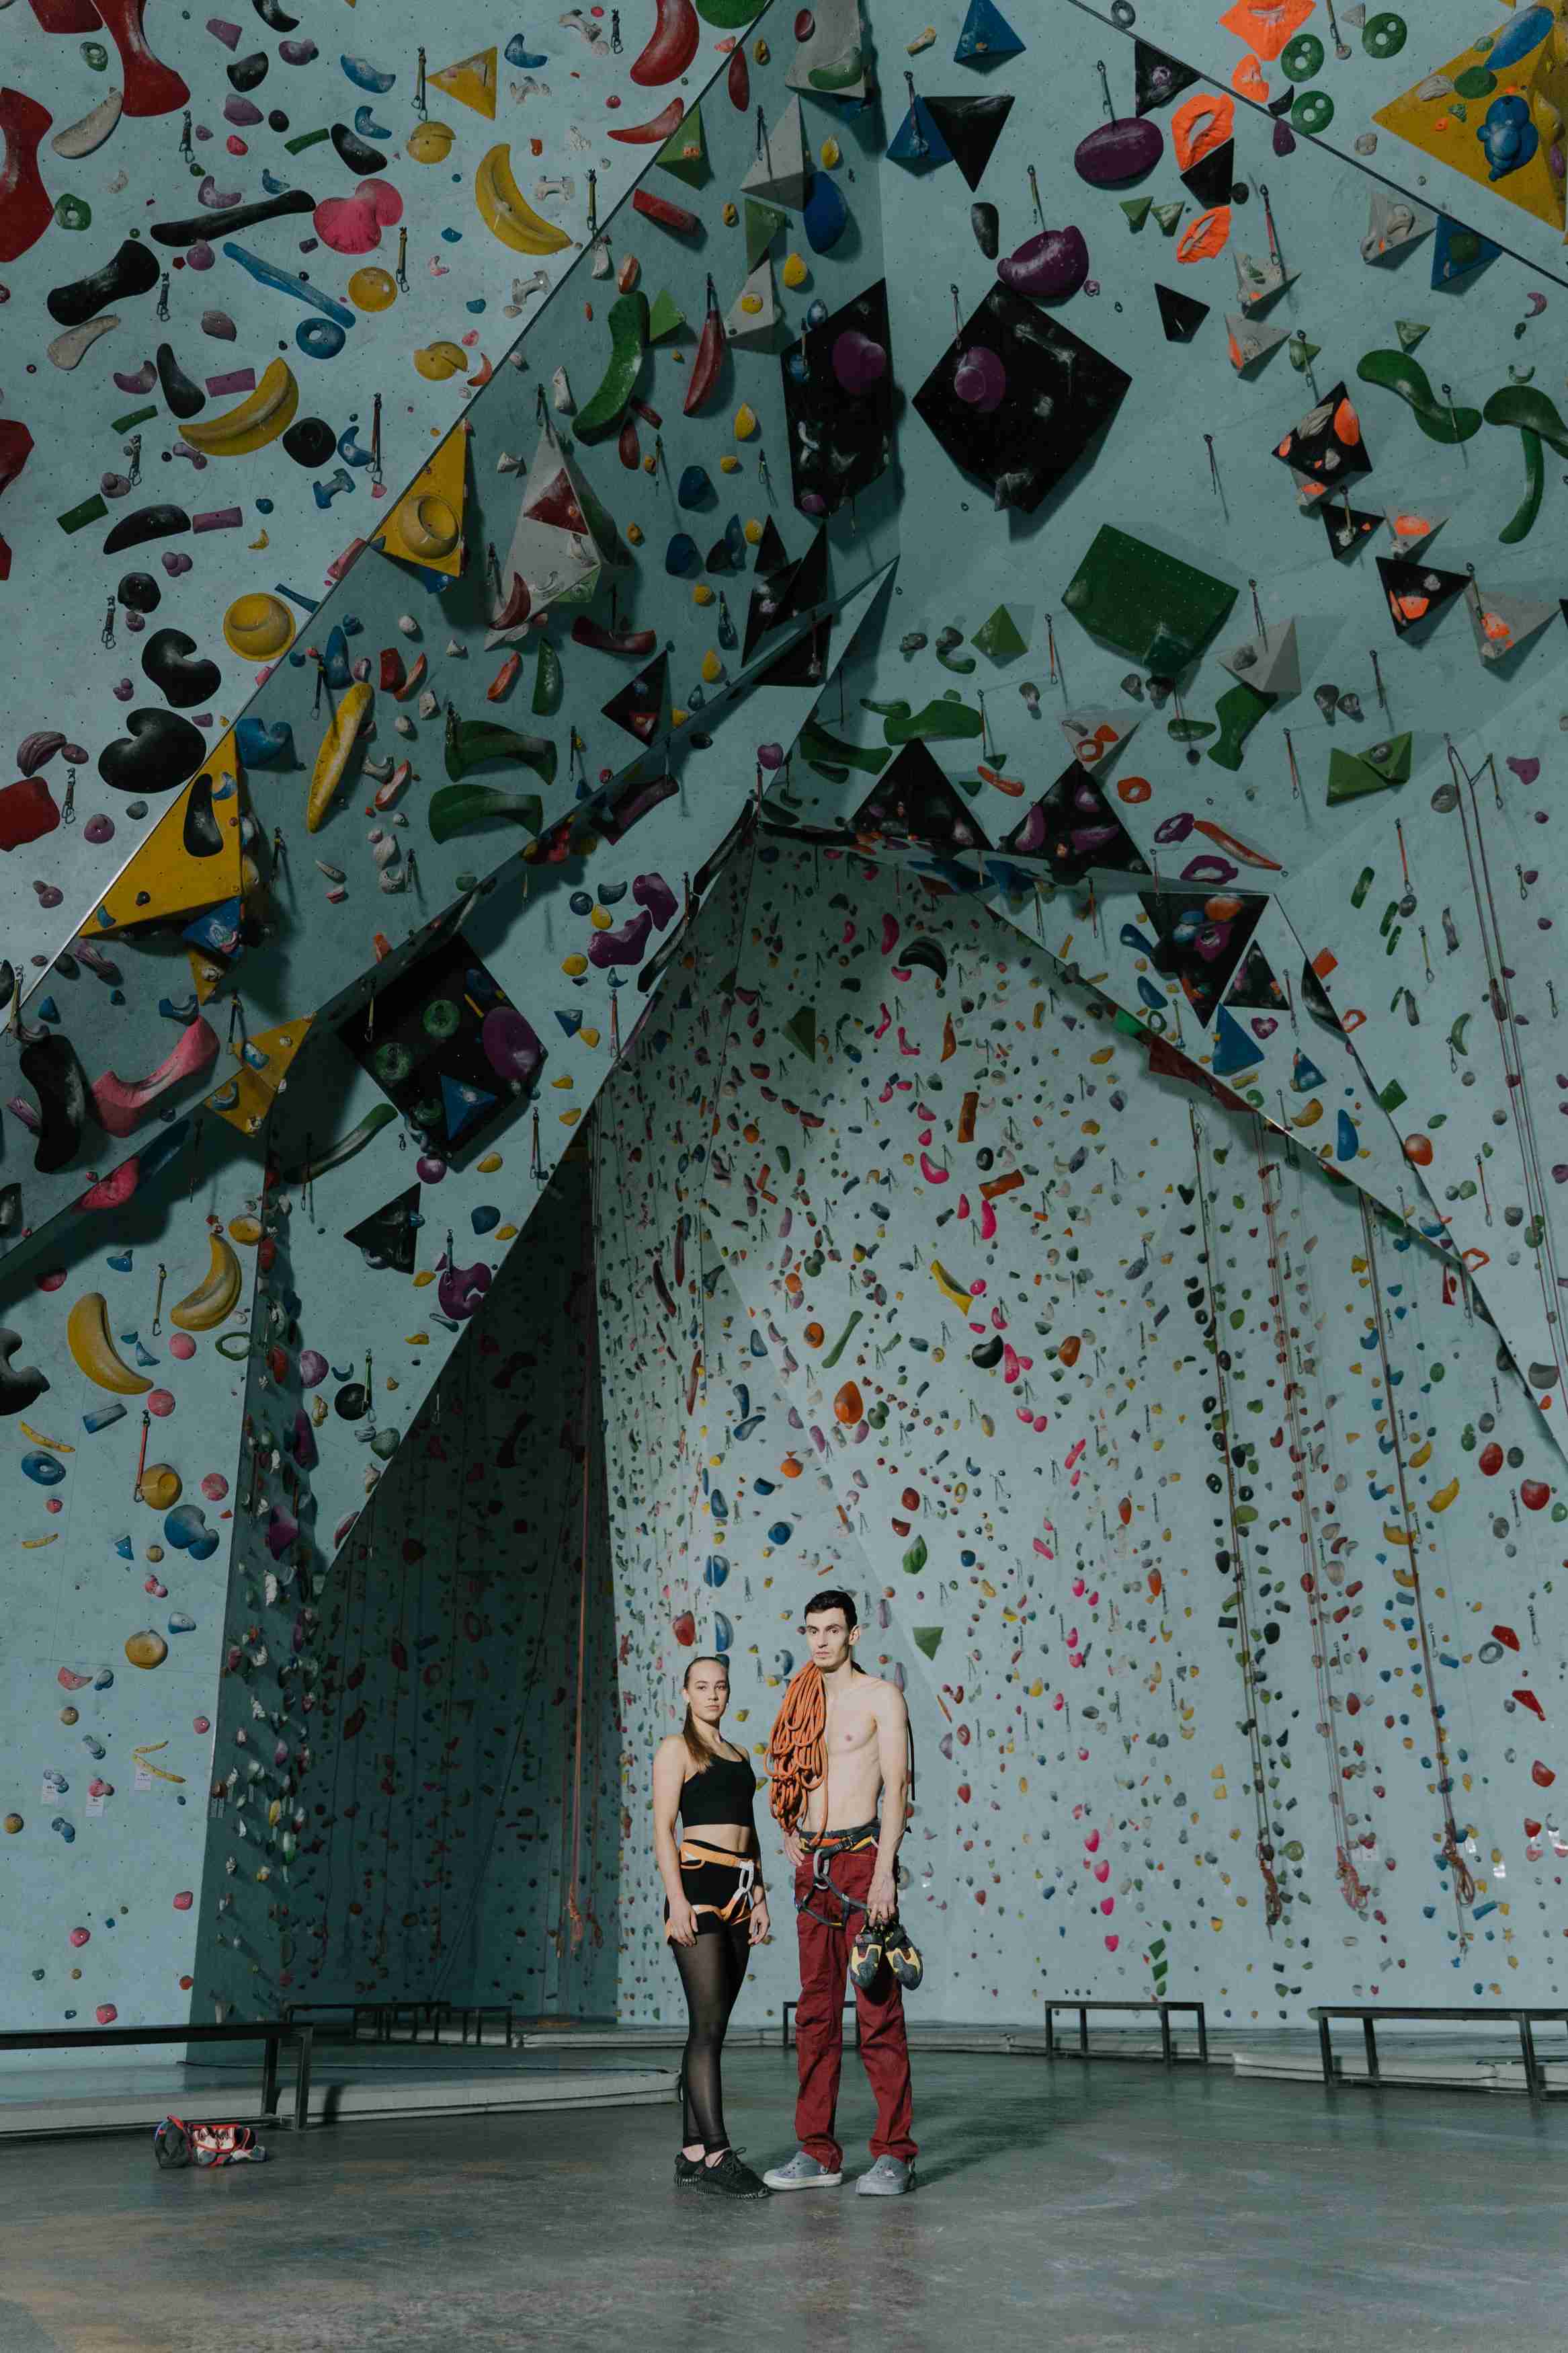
<point>1457,250</point>
<point>916,141</point>
<point>462,1105</point>
<point>1234,1050</point>
<point>986,36</point>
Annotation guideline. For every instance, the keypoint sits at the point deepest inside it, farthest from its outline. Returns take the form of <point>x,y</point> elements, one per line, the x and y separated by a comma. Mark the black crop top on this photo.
<point>721,1792</point>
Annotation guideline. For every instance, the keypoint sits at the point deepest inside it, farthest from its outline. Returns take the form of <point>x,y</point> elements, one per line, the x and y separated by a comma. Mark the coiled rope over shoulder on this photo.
<point>798,1752</point>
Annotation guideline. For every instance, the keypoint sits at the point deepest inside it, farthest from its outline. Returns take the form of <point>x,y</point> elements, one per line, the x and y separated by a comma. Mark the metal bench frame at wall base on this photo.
<point>434,2012</point>
<point>1054,2050</point>
<point>1370,2013</point>
<point>270,2032</point>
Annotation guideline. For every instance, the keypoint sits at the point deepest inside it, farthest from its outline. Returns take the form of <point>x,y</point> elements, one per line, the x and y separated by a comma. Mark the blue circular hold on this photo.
<point>264,506</point>
<point>966,1559</point>
<point>780,1532</point>
<point>451,236</point>
<point>320,339</point>
<point>485,1218</point>
<point>44,1470</point>
<point>476,305</point>
<point>581,902</point>
<point>716,1569</point>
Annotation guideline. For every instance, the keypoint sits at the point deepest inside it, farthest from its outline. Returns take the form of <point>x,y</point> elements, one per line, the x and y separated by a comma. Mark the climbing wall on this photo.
<point>1186,1494</point>
<point>1015,551</point>
<point>416,1787</point>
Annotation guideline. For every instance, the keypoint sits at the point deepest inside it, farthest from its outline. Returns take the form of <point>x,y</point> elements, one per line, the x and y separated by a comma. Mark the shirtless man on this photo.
<point>826,1789</point>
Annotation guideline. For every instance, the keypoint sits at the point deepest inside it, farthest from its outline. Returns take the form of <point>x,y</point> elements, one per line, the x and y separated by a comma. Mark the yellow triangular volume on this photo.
<point>192,857</point>
<point>471,82</point>
<point>1482,109</point>
<point>246,1099</point>
<point>425,526</point>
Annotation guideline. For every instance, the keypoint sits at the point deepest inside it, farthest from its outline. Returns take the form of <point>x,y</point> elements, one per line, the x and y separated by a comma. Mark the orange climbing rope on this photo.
<point>798,1752</point>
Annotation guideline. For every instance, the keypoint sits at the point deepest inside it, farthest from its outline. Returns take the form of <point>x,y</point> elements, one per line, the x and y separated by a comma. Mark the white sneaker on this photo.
<point>802,2172</point>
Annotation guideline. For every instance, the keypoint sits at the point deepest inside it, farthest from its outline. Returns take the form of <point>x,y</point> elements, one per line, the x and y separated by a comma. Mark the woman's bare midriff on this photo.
<point>735,1838</point>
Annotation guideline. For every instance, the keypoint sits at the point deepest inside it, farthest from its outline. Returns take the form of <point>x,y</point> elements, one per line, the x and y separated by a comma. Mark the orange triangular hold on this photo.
<point>246,1099</point>
<point>471,82</point>
<point>191,859</point>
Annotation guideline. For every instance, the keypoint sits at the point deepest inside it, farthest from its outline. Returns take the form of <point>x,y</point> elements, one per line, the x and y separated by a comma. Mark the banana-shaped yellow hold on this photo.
<point>334,756</point>
<point>86,1337</point>
<point>962,1299</point>
<point>505,212</point>
<point>217,1294</point>
<point>260,417</point>
<point>55,1445</point>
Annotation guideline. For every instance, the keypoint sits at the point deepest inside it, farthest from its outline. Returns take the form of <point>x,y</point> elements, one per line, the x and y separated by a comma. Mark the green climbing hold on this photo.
<point>916,1558</point>
<point>927,1639</point>
<point>1301,353</point>
<point>1440,420</point>
<point>665,317</point>
<point>1302,57</point>
<point>547,680</point>
<point>1169,214</point>
<point>998,637</point>
<point>603,412</point>
<point>1524,405</point>
<point>1238,710</point>
<point>763,222</point>
<point>801,1031</point>
<point>1476,81</point>
<point>685,152</point>
<point>1411,331</point>
<point>1312,112</point>
<point>834,759</point>
<point>1137,210</point>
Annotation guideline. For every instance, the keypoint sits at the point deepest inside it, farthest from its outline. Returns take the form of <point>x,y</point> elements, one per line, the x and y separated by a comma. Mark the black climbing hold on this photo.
<point>161,751</point>
<point>179,671</point>
<point>276,20</point>
<point>351,1402</point>
<point>139,593</point>
<point>201,835</point>
<point>248,73</point>
<point>183,397</point>
<point>357,153</point>
<point>132,270</point>
<point>309,442</point>
<point>199,226</point>
<point>986,223</point>
<point>161,521</point>
<point>51,1068</point>
<point>1181,315</point>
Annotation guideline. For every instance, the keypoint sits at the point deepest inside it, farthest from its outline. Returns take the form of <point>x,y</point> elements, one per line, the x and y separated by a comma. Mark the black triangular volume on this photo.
<point>642,706</point>
<point>804,663</point>
<point>1181,315</point>
<point>788,595</point>
<point>1197,950</point>
<point>912,800</point>
<point>1257,990</point>
<point>772,553</point>
<point>389,1236</point>
<point>1074,827</point>
<point>1417,592</point>
<point>1157,79</point>
<point>1209,180</point>
<point>1348,528</point>
<point>971,126</point>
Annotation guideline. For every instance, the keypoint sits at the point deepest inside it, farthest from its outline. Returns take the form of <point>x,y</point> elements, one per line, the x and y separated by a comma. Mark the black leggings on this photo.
<point>712,1971</point>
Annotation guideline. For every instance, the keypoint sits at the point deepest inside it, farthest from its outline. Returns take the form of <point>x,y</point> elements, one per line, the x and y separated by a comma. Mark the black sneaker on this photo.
<point>730,2179</point>
<point>687,2169</point>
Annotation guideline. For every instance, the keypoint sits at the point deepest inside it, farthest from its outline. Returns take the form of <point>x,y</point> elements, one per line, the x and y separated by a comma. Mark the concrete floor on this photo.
<point>1073,2207</point>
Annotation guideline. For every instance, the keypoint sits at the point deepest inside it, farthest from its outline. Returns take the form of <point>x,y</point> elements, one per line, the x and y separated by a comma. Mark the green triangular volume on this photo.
<point>685,152</point>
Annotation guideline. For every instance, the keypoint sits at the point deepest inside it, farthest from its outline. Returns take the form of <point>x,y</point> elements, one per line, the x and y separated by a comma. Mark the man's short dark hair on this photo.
<point>833,1597</point>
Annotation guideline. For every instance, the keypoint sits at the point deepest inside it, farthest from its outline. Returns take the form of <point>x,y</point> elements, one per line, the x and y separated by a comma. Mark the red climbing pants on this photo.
<point>820,2022</point>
